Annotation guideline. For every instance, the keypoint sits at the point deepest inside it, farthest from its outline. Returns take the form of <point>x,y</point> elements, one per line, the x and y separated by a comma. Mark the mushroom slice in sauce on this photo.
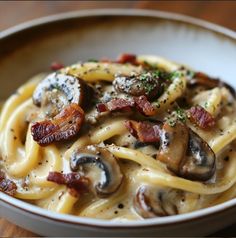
<point>185,153</point>
<point>201,79</point>
<point>152,202</point>
<point>110,175</point>
<point>58,90</point>
<point>173,146</point>
<point>199,163</point>
<point>147,84</point>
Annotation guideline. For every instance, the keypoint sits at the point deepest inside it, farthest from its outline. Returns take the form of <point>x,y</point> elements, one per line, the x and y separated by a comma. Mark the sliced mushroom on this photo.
<point>204,80</point>
<point>58,90</point>
<point>110,176</point>
<point>148,84</point>
<point>185,153</point>
<point>152,202</point>
<point>174,143</point>
<point>199,164</point>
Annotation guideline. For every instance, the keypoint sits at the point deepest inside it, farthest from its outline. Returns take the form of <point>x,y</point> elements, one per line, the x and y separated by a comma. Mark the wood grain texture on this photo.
<point>15,12</point>
<point>7,229</point>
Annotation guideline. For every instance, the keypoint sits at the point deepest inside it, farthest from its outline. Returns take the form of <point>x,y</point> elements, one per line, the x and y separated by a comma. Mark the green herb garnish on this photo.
<point>190,74</point>
<point>181,114</point>
<point>92,60</point>
<point>176,74</point>
<point>178,115</point>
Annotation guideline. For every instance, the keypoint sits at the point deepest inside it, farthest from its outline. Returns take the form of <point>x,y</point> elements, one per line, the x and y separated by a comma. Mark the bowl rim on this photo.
<point>119,12</point>
<point>100,223</point>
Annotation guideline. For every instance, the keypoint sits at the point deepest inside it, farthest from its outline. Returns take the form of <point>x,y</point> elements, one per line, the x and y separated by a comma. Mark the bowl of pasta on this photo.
<point>87,142</point>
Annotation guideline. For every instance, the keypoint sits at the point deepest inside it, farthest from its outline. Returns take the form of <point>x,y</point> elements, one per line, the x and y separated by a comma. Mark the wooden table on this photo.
<point>14,12</point>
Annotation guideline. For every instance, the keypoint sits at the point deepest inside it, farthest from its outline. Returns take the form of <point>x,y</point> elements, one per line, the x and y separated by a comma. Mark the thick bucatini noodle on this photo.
<point>135,138</point>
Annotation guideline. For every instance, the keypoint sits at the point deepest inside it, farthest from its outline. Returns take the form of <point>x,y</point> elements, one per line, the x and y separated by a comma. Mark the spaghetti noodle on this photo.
<point>135,138</point>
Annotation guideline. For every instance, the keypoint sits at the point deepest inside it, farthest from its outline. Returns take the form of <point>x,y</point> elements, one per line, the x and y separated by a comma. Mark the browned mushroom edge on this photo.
<point>149,84</point>
<point>58,90</point>
<point>186,153</point>
<point>173,145</point>
<point>110,174</point>
<point>152,202</point>
<point>201,79</point>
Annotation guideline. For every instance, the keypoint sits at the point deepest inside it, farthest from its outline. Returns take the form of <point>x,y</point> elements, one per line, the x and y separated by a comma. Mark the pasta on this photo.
<point>135,138</point>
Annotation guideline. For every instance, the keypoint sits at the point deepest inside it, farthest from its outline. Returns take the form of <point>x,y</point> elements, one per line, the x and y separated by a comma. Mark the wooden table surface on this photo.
<point>15,12</point>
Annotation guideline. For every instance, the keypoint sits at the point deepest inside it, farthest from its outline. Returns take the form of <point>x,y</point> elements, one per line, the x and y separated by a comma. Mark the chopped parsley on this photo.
<point>178,115</point>
<point>181,114</point>
<point>190,73</point>
<point>206,104</point>
<point>92,60</point>
<point>176,74</point>
<point>147,80</point>
<point>56,86</point>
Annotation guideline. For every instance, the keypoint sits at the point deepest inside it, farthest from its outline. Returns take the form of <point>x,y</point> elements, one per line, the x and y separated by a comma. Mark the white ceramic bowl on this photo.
<point>29,48</point>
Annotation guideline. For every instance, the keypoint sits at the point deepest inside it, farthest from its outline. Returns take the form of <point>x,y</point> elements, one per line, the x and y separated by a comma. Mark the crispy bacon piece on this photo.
<point>101,107</point>
<point>144,106</point>
<point>201,117</point>
<point>127,58</point>
<point>6,185</point>
<point>62,127</point>
<point>120,104</point>
<point>75,181</point>
<point>144,131</point>
<point>122,59</point>
<point>56,66</point>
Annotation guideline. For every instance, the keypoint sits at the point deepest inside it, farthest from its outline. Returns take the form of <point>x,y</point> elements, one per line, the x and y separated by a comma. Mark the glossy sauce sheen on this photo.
<point>172,192</point>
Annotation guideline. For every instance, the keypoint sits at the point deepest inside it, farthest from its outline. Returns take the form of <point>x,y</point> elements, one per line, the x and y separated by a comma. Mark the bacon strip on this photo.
<point>202,118</point>
<point>62,127</point>
<point>7,186</point>
<point>120,104</point>
<point>144,131</point>
<point>101,107</point>
<point>74,181</point>
<point>56,66</point>
<point>144,106</point>
<point>127,58</point>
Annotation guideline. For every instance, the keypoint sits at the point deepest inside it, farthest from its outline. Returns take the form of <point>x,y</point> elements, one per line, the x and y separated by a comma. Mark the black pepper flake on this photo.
<point>226,158</point>
<point>116,212</point>
<point>121,206</point>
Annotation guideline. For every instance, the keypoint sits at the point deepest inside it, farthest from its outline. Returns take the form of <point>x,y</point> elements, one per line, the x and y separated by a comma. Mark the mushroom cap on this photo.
<point>147,84</point>
<point>58,90</point>
<point>201,79</point>
<point>110,174</point>
<point>185,153</point>
<point>173,146</point>
<point>152,202</point>
<point>200,162</point>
